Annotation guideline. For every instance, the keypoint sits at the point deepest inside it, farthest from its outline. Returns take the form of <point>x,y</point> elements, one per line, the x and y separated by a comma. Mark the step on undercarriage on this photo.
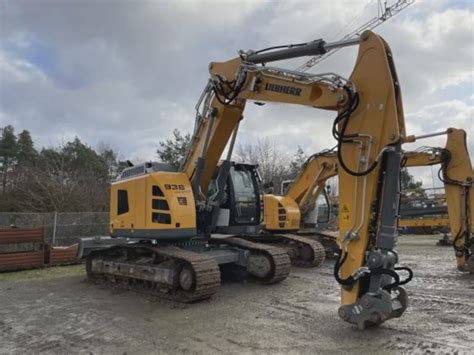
<point>184,273</point>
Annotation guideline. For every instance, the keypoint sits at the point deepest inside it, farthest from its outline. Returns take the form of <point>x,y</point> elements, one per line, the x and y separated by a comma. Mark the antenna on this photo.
<point>384,13</point>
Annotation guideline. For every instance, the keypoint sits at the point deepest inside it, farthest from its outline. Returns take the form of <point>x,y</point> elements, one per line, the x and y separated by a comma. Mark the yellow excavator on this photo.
<point>287,212</point>
<point>456,172</point>
<point>296,209</point>
<point>165,214</point>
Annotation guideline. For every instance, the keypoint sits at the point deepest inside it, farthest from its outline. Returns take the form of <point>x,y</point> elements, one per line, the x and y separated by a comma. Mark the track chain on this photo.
<point>205,270</point>
<point>207,275</point>
<point>327,239</point>
<point>281,263</point>
<point>318,250</point>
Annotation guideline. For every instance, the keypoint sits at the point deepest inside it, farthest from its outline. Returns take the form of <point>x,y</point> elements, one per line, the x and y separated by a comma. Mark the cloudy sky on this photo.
<point>125,73</point>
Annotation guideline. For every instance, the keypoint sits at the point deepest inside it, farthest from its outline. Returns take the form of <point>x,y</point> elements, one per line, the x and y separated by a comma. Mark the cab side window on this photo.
<point>122,202</point>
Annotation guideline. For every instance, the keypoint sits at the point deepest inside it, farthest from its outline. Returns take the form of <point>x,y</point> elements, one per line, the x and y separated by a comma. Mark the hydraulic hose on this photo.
<point>341,137</point>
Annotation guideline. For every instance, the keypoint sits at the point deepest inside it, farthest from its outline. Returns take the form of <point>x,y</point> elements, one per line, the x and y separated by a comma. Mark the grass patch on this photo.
<point>48,273</point>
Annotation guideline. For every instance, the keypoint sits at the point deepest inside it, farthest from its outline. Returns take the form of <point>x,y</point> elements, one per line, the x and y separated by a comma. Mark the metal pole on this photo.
<point>429,135</point>
<point>413,138</point>
<point>54,226</point>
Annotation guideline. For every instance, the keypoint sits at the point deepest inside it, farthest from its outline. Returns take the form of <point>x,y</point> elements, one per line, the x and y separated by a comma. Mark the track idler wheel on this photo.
<point>260,265</point>
<point>187,279</point>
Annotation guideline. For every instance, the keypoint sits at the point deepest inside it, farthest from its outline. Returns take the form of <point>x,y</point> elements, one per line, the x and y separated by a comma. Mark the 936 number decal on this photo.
<point>174,187</point>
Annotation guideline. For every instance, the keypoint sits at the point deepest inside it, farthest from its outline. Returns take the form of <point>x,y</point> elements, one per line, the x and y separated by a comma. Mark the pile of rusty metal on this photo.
<point>26,248</point>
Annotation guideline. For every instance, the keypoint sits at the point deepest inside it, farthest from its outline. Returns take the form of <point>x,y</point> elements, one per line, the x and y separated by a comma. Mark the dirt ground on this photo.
<point>57,311</point>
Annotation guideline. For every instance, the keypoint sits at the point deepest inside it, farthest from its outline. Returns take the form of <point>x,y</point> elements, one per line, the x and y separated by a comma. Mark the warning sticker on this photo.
<point>345,213</point>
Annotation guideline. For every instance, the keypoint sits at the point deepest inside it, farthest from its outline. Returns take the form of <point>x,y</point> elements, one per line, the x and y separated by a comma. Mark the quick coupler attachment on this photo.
<point>375,308</point>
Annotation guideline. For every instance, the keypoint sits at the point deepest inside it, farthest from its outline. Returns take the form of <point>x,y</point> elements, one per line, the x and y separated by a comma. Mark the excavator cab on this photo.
<point>240,209</point>
<point>245,206</point>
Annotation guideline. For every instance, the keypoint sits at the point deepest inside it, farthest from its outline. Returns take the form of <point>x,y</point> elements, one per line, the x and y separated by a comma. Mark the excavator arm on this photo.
<point>458,177</point>
<point>311,179</point>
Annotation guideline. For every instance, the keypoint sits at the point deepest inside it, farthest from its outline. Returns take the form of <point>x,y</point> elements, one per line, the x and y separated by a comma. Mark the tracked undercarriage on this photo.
<point>327,238</point>
<point>303,251</point>
<point>185,273</point>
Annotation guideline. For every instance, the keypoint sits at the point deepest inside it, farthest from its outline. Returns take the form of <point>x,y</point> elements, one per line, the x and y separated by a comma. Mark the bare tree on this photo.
<point>273,163</point>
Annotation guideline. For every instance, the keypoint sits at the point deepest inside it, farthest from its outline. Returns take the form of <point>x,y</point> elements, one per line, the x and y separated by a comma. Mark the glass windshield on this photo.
<point>245,197</point>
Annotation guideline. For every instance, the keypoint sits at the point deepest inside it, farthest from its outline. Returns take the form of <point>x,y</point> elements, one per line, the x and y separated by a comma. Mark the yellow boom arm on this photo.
<point>311,180</point>
<point>219,120</point>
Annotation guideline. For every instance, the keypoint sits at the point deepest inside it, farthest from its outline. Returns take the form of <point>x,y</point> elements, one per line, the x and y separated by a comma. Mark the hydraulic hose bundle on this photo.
<point>227,90</point>
<point>341,137</point>
<point>352,279</point>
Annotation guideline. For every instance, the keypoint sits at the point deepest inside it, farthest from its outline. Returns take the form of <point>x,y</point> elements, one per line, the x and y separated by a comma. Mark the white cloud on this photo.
<point>438,117</point>
<point>17,70</point>
<point>128,74</point>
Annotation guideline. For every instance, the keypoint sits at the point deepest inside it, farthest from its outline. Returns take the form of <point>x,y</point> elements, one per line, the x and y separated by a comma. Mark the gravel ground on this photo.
<point>57,311</point>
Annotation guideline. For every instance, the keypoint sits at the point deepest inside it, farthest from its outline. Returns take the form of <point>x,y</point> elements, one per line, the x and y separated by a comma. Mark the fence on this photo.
<point>61,228</point>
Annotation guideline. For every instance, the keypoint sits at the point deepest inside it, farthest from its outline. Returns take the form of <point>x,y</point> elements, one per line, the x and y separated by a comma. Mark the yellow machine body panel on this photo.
<point>157,205</point>
<point>424,222</point>
<point>280,213</point>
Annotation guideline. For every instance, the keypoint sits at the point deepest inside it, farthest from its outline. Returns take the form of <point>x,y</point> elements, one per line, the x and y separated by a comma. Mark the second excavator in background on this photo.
<point>455,172</point>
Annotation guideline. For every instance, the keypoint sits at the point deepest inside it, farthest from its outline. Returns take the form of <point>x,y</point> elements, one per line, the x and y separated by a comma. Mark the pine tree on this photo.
<point>26,153</point>
<point>173,151</point>
<point>8,152</point>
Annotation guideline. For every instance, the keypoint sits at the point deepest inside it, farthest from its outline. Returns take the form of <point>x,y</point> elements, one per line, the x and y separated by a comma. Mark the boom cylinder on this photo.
<point>316,47</point>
